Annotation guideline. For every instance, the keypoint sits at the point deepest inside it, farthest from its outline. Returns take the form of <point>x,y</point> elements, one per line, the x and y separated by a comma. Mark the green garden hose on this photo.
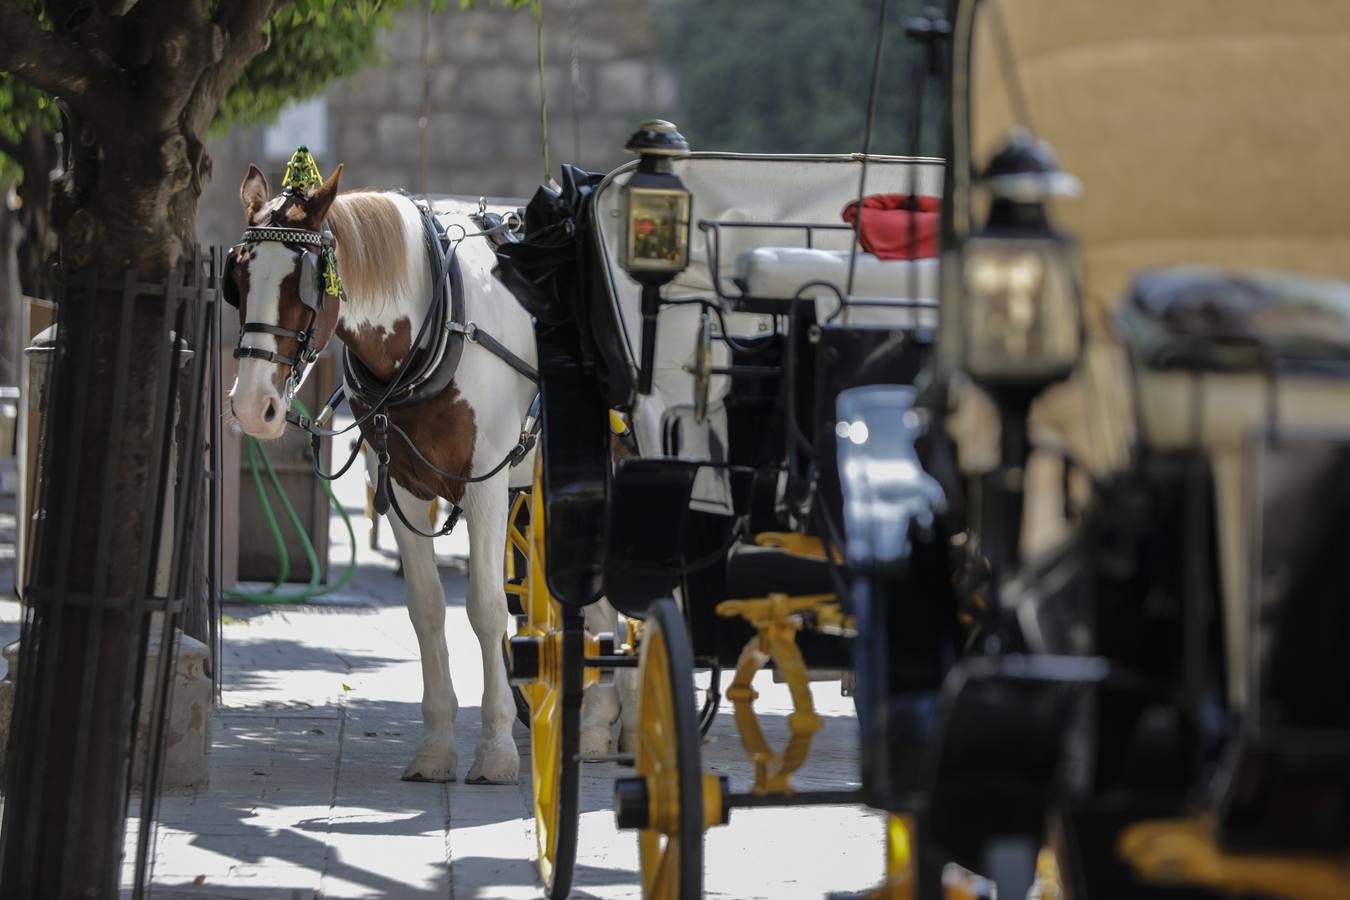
<point>274,594</point>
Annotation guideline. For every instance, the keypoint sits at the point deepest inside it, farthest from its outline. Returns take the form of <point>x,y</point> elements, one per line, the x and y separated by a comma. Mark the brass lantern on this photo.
<point>657,212</point>
<point>1021,312</point>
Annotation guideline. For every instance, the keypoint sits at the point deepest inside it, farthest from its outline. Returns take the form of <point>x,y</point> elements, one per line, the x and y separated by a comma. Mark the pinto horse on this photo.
<point>453,443</point>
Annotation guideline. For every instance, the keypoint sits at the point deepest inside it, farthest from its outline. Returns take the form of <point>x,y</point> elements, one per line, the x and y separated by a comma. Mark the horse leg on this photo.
<point>600,702</point>
<point>435,759</point>
<point>495,759</point>
<point>626,690</point>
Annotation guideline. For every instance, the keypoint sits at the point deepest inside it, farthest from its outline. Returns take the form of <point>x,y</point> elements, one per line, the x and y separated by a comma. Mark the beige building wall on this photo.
<point>482,136</point>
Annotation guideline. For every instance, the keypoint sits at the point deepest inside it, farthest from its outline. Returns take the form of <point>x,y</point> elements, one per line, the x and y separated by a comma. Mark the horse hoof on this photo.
<point>430,776</point>
<point>496,766</point>
<point>433,767</point>
<point>595,742</point>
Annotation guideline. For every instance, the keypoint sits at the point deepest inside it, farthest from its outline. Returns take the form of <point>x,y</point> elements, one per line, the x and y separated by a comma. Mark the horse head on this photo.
<point>282,277</point>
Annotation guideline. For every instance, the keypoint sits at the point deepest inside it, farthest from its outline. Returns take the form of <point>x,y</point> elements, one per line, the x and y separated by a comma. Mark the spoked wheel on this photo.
<point>546,662</point>
<point>555,743</point>
<point>666,798</point>
<point>517,584</point>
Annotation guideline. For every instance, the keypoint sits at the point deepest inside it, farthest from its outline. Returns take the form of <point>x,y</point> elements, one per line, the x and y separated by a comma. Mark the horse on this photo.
<point>454,442</point>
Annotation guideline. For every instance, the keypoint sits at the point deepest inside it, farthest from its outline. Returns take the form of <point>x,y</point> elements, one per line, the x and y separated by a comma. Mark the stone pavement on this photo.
<point>319,714</point>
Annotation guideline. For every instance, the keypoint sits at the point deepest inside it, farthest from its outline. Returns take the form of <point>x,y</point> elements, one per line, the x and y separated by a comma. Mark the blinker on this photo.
<point>228,289</point>
<point>310,287</point>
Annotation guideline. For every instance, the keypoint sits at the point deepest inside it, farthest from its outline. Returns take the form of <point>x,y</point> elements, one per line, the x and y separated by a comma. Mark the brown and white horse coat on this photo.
<point>468,428</point>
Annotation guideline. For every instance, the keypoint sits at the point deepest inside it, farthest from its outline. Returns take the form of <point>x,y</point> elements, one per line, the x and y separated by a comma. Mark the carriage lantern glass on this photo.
<point>1022,317</point>
<point>657,210</point>
<point>656,205</point>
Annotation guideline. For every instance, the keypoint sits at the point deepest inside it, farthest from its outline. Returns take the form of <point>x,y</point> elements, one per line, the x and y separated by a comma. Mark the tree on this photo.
<point>138,84</point>
<point>789,76</point>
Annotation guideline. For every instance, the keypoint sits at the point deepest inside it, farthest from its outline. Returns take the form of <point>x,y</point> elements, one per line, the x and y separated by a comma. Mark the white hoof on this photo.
<point>498,763</point>
<point>433,764</point>
<point>595,740</point>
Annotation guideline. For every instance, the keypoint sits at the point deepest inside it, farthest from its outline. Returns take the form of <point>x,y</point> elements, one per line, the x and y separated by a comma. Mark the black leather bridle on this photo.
<point>314,247</point>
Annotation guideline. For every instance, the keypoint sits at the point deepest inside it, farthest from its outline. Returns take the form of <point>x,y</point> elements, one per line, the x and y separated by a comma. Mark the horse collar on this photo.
<point>435,357</point>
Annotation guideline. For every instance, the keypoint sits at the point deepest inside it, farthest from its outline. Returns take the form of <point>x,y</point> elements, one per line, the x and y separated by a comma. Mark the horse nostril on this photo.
<point>270,411</point>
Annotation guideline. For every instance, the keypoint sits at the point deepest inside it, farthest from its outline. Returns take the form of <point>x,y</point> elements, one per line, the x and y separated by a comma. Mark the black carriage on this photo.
<point>717,484</point>
<point>1147,701</point>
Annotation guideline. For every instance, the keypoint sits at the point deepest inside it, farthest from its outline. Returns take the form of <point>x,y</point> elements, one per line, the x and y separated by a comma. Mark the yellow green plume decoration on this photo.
<point>302,172</point>
<point>332,283</point>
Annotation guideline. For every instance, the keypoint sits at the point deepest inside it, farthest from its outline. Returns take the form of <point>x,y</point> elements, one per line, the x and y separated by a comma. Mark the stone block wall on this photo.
<point>603,75</point>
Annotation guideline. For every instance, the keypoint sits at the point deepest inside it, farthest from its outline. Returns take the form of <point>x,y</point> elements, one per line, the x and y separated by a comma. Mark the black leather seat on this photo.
<point>1217,320</point>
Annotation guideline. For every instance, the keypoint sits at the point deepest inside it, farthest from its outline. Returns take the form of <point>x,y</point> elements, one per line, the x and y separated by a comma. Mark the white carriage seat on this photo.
<point>1204,343</point>
<point>885,287</point>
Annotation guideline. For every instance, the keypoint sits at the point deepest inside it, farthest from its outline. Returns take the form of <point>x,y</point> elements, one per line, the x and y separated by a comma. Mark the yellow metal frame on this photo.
<point>805,545</point>
<point>1183,852</point>
<point>776,622</point>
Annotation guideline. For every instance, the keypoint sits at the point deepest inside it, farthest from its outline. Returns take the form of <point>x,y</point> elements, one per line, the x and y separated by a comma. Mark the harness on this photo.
<point>318,270</point>
<point>427,371</point>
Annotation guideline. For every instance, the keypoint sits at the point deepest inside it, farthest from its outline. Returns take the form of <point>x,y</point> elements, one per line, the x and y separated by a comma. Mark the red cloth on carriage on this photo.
<point>886,230</point>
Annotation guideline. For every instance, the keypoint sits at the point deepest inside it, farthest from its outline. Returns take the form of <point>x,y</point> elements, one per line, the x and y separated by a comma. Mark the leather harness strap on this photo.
<point>433,366</point>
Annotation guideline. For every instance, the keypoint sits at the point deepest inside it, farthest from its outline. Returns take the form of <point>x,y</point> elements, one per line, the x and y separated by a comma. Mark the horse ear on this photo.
<point>316,207</point>
<point>253,193</point>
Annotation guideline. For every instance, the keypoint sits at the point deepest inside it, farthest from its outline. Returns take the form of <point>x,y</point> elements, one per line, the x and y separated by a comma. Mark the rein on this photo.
<point>418,378</point>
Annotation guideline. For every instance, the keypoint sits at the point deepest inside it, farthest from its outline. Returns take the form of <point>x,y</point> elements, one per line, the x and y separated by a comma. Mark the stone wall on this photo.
<point>603,76</point>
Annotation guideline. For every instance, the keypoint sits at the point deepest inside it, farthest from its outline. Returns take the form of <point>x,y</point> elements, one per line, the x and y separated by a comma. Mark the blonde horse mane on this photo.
<point>372,247</point>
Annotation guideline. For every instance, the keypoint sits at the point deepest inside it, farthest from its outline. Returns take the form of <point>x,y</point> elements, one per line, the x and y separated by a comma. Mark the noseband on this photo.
<point>315,284</point>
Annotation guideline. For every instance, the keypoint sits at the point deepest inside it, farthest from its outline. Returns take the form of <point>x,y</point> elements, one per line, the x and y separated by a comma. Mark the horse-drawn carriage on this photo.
<point>1074,560</point>
<point>1124,702</point>
<point>728,497</point>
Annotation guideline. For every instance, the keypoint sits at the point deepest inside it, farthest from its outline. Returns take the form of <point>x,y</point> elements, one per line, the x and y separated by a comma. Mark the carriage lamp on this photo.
<point>656,209</point>
<point>1021,315</point>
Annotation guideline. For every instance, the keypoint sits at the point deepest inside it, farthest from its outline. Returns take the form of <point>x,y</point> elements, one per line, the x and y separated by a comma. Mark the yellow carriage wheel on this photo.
<point>668,762</point>
<point>517,584</point>
<point>547,653</point>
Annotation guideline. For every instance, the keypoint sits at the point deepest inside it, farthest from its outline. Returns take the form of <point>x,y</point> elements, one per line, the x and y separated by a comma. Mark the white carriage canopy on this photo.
<point>729,187</point>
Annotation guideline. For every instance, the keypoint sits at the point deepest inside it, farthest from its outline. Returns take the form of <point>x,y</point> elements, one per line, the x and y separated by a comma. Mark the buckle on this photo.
<point>469,330</point>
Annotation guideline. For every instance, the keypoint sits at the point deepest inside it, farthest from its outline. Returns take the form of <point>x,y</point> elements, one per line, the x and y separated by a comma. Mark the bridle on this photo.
<point>315,286</point>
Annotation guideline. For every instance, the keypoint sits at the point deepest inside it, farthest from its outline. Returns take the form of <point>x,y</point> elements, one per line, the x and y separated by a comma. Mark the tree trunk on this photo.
<point>139,81</point>
<point>92,572</point>
<point>11,297</point>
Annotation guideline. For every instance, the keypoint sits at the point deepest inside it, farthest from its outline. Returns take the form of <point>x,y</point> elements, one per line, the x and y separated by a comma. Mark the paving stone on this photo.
<point>291,813</point>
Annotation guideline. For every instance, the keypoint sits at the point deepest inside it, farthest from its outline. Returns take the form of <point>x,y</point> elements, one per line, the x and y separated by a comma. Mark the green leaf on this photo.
<point>346,687</point>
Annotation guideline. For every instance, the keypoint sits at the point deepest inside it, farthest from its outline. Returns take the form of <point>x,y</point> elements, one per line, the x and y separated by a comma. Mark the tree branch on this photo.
<point>240,24</point>
<point>182,42</point>
<point>55,64</point>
